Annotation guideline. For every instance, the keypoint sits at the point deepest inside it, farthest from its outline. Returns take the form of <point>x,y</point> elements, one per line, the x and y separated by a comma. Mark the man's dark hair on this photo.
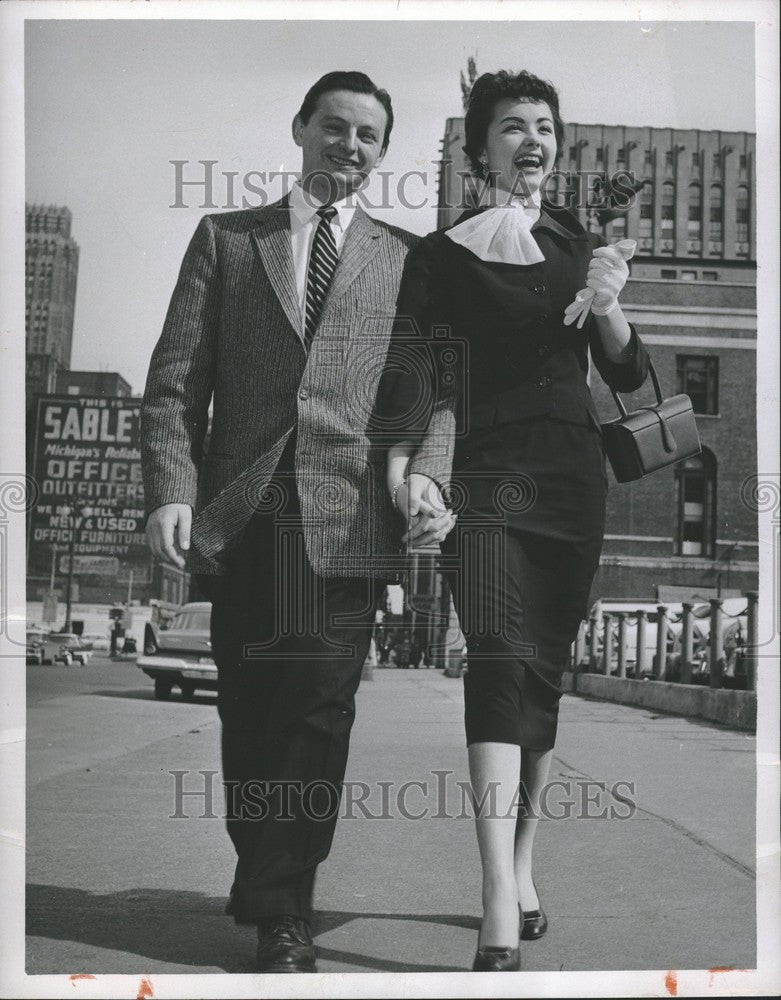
<point>352,80</point>
<point>491,88</point>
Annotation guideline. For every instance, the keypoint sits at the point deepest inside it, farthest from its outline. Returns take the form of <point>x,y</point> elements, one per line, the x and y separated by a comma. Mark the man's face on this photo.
<point>343,140</point>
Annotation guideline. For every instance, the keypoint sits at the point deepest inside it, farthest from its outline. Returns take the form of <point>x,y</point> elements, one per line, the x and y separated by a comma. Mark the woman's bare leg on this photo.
<point>535,765</point>
<point>494,769</point>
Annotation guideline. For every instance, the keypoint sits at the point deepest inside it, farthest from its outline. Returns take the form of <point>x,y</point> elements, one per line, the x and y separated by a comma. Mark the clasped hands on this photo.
<point>419,501</point>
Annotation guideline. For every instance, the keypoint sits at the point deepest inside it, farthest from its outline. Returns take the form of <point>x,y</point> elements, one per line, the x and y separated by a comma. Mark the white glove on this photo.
<point>607,274</point>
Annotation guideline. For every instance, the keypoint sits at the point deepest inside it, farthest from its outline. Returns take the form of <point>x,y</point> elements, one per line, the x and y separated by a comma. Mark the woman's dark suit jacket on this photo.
<point>491,338</point>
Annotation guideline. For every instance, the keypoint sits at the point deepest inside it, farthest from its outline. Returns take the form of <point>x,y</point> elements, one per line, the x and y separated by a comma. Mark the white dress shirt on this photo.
<point>304,220</point>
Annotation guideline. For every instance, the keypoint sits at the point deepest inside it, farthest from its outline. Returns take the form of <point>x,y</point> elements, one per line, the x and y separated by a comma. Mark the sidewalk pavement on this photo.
<point>118,886</point>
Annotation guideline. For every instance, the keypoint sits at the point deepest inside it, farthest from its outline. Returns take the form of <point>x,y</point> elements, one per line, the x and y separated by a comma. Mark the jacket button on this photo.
<point>543,382</point>
<point>538,289</point>
<point>303,394</point>
<point>542,350</point>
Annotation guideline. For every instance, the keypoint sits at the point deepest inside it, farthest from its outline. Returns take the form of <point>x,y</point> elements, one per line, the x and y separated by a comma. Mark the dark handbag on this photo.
<point>651,437</point>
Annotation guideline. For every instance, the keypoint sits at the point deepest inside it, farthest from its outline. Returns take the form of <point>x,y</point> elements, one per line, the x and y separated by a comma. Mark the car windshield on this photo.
<point>192,621</point>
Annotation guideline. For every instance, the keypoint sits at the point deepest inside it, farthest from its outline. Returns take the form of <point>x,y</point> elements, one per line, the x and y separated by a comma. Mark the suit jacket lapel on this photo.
<point>272,243</point>
<point>361,245</point>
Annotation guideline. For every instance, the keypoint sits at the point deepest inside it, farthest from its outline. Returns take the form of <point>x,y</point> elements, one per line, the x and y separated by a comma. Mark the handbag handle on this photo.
<point>654,378</point>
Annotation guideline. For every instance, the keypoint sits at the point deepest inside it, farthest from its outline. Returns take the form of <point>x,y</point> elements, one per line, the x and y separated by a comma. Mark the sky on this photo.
<point>109,105</point>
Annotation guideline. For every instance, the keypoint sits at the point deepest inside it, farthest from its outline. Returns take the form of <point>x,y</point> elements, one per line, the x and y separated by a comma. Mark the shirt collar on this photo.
<point>556,220</point>
<point>304,208</point>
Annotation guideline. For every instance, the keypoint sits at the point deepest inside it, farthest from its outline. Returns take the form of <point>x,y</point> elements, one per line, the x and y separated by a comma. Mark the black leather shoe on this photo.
<point>285,945</point>
<point>534,923</point>
<point>492,959</point>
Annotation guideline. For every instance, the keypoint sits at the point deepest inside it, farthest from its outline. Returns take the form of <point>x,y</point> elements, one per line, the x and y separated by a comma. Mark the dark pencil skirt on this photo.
<point>520,564</point>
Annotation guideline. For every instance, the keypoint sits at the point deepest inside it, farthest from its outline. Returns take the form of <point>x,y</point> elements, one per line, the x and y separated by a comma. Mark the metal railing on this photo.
<point>721,654</point>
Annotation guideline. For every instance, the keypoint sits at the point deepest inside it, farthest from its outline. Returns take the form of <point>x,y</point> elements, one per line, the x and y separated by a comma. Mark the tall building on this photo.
<point>51,267</point>
<point>692,296</point>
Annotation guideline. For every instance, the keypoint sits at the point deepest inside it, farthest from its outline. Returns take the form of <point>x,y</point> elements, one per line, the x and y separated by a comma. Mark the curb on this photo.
<point>735,709</point>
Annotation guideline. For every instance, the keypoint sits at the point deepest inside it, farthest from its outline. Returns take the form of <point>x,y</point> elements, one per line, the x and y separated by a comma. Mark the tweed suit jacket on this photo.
<point>233,337</point>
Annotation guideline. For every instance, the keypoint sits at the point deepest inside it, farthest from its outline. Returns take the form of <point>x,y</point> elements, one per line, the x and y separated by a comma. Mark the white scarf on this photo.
<point>501,234</point>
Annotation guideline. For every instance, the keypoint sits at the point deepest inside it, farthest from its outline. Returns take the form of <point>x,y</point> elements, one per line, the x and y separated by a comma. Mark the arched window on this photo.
<point>716,212</point>
<point>695,211</point>
<point>741,214</point>
<point>695,494</point>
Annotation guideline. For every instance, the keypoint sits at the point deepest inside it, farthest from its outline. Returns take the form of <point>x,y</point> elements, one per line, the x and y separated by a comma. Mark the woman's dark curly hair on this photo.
<point>491,88</point>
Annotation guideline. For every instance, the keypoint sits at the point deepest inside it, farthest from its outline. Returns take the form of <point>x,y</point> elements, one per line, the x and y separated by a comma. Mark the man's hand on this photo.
<point>428,519</point>
<point>168,532</point>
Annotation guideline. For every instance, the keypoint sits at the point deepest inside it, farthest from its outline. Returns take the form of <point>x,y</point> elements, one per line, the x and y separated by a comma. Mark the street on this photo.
<point>646,861</point>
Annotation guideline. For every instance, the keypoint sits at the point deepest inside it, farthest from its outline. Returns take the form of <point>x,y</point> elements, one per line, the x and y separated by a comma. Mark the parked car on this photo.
<point>630,608</point>
<point>98,642</point>
<point>47,647</point>
<point>731,644</point>
<point>73,643</point>
<point>35,648</point>
<point>179,654</point>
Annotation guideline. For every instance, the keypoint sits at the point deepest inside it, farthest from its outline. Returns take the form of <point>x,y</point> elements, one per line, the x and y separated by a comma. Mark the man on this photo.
<point>282,317</point>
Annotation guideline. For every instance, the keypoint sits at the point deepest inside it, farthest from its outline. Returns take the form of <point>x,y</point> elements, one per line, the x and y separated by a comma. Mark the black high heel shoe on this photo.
<point>534,923</point>
<point>492,959</point>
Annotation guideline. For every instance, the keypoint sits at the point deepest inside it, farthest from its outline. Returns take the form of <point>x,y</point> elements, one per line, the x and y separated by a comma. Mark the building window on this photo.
<point>696,159</point>
<point>668,205</point>
<point>670,273</point>
<point>710,275</point>
<point>649,157</point>
<point>646,227</point>
<point>647,201</point>
<point>688,275</point>
<point>741,215</point>
<point>695,492</point>
<point>743,161</point>
<point>695,211</point>
<point>619,226</point>
<point>621,155</point>
<point>600,154</point>
<point>716,207</point>
<point>717,163</point>
<point>698,377</point>
<point>573,153</point>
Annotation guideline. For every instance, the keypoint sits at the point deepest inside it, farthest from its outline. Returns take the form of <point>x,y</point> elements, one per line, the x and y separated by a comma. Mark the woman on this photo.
<point>528,470</point>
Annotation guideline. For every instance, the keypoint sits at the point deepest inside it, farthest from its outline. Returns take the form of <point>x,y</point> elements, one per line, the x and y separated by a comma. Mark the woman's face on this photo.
<point>520,145</point>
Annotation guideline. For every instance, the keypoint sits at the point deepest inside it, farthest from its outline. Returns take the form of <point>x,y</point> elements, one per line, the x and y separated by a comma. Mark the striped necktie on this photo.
<point>322,264</point>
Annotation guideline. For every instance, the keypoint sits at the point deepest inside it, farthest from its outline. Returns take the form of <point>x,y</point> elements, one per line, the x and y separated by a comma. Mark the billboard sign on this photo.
<point>87,466</point>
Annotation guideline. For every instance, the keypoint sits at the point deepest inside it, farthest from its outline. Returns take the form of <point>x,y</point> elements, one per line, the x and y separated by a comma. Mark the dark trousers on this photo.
<point>289,648</point>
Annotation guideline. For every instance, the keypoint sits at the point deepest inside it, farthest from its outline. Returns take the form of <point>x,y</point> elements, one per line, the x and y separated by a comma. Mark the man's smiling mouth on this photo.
<point>339,161</point>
